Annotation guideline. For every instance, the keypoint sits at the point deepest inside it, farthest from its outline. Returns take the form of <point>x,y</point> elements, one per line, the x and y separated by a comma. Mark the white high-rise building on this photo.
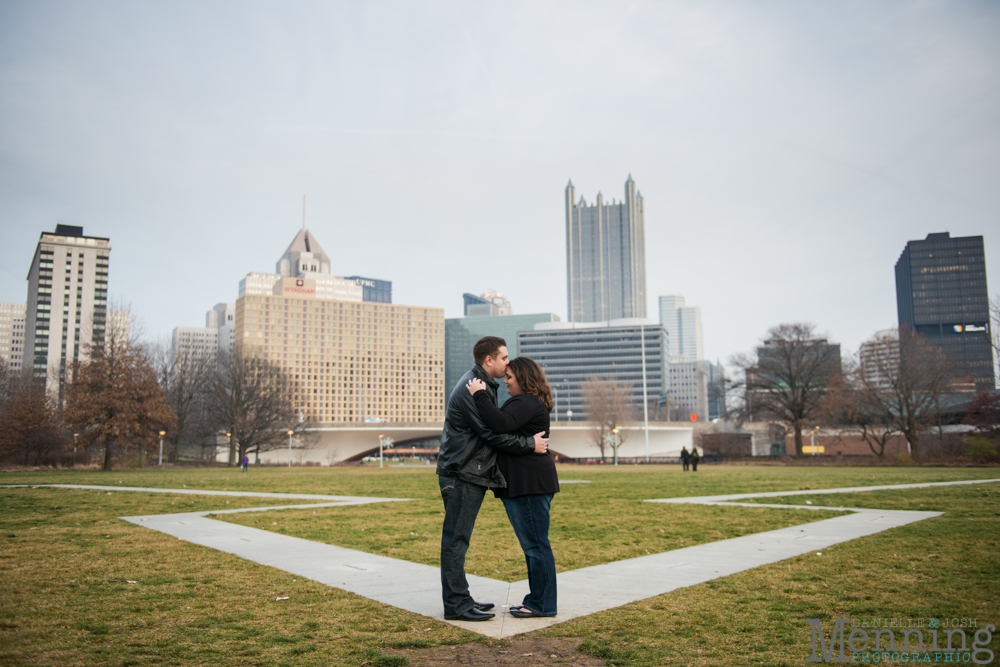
<point>683,323</point>
<point>12,334</point>
<point>207,342</point>
<point>879,357</point>
<point>67,304</point>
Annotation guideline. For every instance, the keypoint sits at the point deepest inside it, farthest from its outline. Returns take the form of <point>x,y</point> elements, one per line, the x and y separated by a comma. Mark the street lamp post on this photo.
<point>645,399</point>
<point>162,433</point>
<point>290,432</point>
<point>74,448</point>
<point>381,442</point>
<point>614,443</point>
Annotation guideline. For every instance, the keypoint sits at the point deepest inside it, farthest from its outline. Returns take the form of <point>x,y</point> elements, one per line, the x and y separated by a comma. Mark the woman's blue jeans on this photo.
<point>529,516</point>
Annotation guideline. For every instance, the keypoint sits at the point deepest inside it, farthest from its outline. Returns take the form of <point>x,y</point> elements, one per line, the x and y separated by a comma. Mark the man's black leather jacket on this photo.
<point>468,448</point>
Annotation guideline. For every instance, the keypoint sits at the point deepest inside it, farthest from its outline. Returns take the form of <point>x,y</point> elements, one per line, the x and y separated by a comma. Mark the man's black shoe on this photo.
<point>482,606</point>
<point>471,615</point>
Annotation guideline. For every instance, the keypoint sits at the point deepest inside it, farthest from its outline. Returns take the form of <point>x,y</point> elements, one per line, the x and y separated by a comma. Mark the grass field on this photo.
<point>67,560</point>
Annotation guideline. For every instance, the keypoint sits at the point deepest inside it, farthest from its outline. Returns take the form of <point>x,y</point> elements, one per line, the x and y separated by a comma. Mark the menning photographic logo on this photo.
<point>880,646</point>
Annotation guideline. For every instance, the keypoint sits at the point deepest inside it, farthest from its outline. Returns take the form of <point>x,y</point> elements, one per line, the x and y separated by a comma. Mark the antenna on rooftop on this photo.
<point>303,213</point>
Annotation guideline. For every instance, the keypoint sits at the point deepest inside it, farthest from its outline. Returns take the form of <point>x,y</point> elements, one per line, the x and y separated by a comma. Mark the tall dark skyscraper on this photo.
<point>605,257</point>
<point>941,293</point>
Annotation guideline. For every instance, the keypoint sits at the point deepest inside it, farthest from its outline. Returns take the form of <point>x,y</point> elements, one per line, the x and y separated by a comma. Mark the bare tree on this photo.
<point>609,405</point>
<point>850,404</point>
<point>187,380</point>
<point>787,377</point>
<point>253,403</point>
<point>113,397</point>
<point>905,387</point>
<point>31,425</point>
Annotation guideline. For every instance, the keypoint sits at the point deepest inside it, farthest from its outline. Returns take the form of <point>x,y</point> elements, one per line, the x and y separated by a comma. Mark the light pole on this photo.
<point>381,442</point>
<point>813,434</point>
<point>614,443</point>
<point>569,415</point>
<point>75,435</point>
<point>290,432</point>
<point>645,399</point>
<point>162,433</point>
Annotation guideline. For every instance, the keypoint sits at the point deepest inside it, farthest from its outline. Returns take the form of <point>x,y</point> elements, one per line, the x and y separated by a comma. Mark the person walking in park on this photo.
<point>694,459</point>
<point>467,466</point>
<point>245,462</point>
<point>531,479</point>
<point>685,457</point>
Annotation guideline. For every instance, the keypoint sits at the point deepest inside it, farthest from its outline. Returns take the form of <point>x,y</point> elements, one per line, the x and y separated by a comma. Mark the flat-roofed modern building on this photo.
<point>572,352</point>
<point>67,303</point>
<point>941,293</point>
<point>348,361</point>
<point>461,334</point>
<point>605,257</point>
<point>12,334</point>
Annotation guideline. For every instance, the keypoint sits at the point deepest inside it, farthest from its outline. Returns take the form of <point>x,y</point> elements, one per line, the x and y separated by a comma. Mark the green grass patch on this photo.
<point>66,560</point>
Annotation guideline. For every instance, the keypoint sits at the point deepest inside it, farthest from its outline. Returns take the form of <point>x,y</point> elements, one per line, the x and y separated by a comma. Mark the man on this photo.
<point>467,467</point>
<point>685,457</point>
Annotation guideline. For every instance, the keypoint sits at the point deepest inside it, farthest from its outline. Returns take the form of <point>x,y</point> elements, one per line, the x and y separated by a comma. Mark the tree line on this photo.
<point>124,393</point>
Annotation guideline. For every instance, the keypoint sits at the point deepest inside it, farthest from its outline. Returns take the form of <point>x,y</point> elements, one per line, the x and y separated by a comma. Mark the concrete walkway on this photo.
<point>416,587</point>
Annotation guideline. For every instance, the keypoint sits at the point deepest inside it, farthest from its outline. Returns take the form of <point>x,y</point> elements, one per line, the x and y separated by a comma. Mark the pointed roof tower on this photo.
<point>304,255</point>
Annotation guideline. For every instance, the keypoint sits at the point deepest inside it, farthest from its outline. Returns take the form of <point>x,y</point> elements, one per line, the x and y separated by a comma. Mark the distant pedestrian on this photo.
<point>685,457</point>
<point>694,459</point>
<point>245,462</point>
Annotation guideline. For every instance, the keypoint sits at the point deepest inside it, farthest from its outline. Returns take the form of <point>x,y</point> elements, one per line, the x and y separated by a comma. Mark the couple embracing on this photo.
<point>504,449</point>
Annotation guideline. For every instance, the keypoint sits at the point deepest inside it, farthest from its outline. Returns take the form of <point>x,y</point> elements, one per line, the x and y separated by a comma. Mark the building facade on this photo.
<point>618,350</point>
<point>605,257</point>
<point>12,334</point>
<point>942,294</point>
<point>373,290</point>
<point>210,341</point>
<point>348,361</point>
<point>879,358</point>
<point>683,325</point>
<point>695,388</point>
<point>461,334</point>
<point>67,303</point>
<point>491,303</point>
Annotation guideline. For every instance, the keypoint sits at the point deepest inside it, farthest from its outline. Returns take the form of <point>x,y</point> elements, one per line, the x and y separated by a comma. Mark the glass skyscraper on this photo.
<point>941,293</point>
<point>605,257</point>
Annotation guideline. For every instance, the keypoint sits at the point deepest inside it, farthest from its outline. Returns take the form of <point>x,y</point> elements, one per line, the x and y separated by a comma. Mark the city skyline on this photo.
<point>786,154</point>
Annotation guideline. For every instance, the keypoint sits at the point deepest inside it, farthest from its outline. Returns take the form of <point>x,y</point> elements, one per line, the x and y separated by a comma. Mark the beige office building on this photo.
<point>348,361</point>
<point>12,334</point>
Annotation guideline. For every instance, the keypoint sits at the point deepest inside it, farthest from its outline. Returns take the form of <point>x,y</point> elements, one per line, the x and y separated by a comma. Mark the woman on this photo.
<point>531,479</point>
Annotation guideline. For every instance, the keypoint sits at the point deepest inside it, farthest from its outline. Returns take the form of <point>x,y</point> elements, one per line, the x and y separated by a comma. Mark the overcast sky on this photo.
<point>786,151</point>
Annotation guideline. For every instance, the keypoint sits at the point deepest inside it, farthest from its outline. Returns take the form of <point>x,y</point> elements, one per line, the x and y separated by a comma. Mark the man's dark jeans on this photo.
<point>529,516</point>
<point>461,506</point>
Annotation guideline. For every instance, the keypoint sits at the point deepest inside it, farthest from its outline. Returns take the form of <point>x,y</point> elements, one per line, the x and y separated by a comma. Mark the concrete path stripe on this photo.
<point>416,587</point>
<point>815,492</point>
<point>347,500</point>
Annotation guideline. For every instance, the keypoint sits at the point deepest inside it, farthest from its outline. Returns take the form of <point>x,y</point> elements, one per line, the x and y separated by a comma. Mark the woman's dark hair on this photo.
<point>531,379</point>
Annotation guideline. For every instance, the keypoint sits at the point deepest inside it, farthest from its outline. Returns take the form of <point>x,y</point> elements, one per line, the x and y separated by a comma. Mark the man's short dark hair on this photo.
<point>487,346</point>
